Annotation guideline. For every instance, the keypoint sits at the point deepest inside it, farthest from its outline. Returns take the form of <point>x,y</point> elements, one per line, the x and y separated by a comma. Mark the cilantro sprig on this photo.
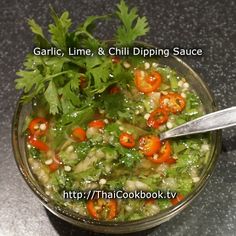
<point>133,25</point>
<point>57,79</point>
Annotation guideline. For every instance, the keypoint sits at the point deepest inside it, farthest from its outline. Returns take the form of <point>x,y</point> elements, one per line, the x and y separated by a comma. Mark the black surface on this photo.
<point>210,25</point>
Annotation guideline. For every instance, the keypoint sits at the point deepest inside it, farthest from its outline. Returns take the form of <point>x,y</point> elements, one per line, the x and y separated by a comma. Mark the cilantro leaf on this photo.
<point>59,30</point>
<point>53,64</point>
<point>113,128</point>
<point>129,157</point>
<point>117,184</point>
<point>34,153</point>
<point>114,104</point>
<point>51,95</point>
<point>98,70</point>
<point>133,25</point>
<point>122,75</point>
<point>57,79</point>
<point>91,43</point>
<point>78,117</point>
<point>28,80</point>
<point>35,28</point>
<point>100,74</point>
<point>88,23</point>
<point>84,33</point>
<point>32,82</point>
<point>69,95</point>
<point>40,39</point>
<point>32,62</point>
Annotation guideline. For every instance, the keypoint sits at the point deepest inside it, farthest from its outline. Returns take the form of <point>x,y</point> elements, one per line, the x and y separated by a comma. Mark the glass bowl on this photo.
<point>68,215</point>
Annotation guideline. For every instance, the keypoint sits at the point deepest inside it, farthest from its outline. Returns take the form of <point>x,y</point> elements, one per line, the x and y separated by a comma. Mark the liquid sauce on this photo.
<point>112,144</point>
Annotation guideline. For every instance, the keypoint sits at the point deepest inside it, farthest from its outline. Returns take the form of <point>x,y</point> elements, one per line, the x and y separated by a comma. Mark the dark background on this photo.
<point>209,25</point>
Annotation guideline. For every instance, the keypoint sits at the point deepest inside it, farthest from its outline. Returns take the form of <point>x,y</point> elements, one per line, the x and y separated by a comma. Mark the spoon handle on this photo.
<point>212,121</point>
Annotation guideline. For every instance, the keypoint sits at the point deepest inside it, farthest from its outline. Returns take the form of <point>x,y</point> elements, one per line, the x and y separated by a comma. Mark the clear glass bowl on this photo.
<point>119,227</point>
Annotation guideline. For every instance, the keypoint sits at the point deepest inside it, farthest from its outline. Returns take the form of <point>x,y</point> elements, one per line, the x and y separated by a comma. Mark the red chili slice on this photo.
<point>96,208</point>
<point>163,155</point>
<point>170,161</point>
<point>157,118</point>
<point>114,90</point>
<point>38,144</point>
<point>147,83</point>
<point>149,145</point>
<point>97,124</point>
<point>83,82</point>
<point>34,126</point>
<point>177,199</point>
<point>78,134</point>
<point>149,201</point>
<point>172,102</point>
<point>55,165</point>
<point>115,59</point>
<point>127,140</point>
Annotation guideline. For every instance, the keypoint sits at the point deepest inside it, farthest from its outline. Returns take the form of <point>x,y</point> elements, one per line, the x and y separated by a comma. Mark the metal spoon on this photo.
<point>212,121</point>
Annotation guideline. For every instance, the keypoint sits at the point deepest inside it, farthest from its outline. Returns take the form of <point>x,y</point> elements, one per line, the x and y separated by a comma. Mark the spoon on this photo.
<point>212,121</point>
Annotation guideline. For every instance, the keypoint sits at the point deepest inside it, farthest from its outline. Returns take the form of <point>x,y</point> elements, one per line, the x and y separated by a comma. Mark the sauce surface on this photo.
<point>111,142</point>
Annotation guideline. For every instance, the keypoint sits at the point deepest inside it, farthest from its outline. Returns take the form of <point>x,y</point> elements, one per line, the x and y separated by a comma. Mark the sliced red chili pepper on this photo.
<point>78,134</point>
<point>112,205</point>
<point>38,144</point>
<point>172,102</point>
<point>97,124</point>
<point>149,201</point>
<point>83,82</point>
<point>97,207</point>
<point>34,126</point>
<point>153,78</point>
<point>147,83</point>
<point>157,118</point>
<point>170,161</point>
<point>114,90</point>
<point>98,116</point>
<point>177,199</point>
<point>163,155</point>
<point>91,209</point>
<point>55,165</point>
<point>149,145</point>
<point>127,140</point>
<point>115,59</point>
